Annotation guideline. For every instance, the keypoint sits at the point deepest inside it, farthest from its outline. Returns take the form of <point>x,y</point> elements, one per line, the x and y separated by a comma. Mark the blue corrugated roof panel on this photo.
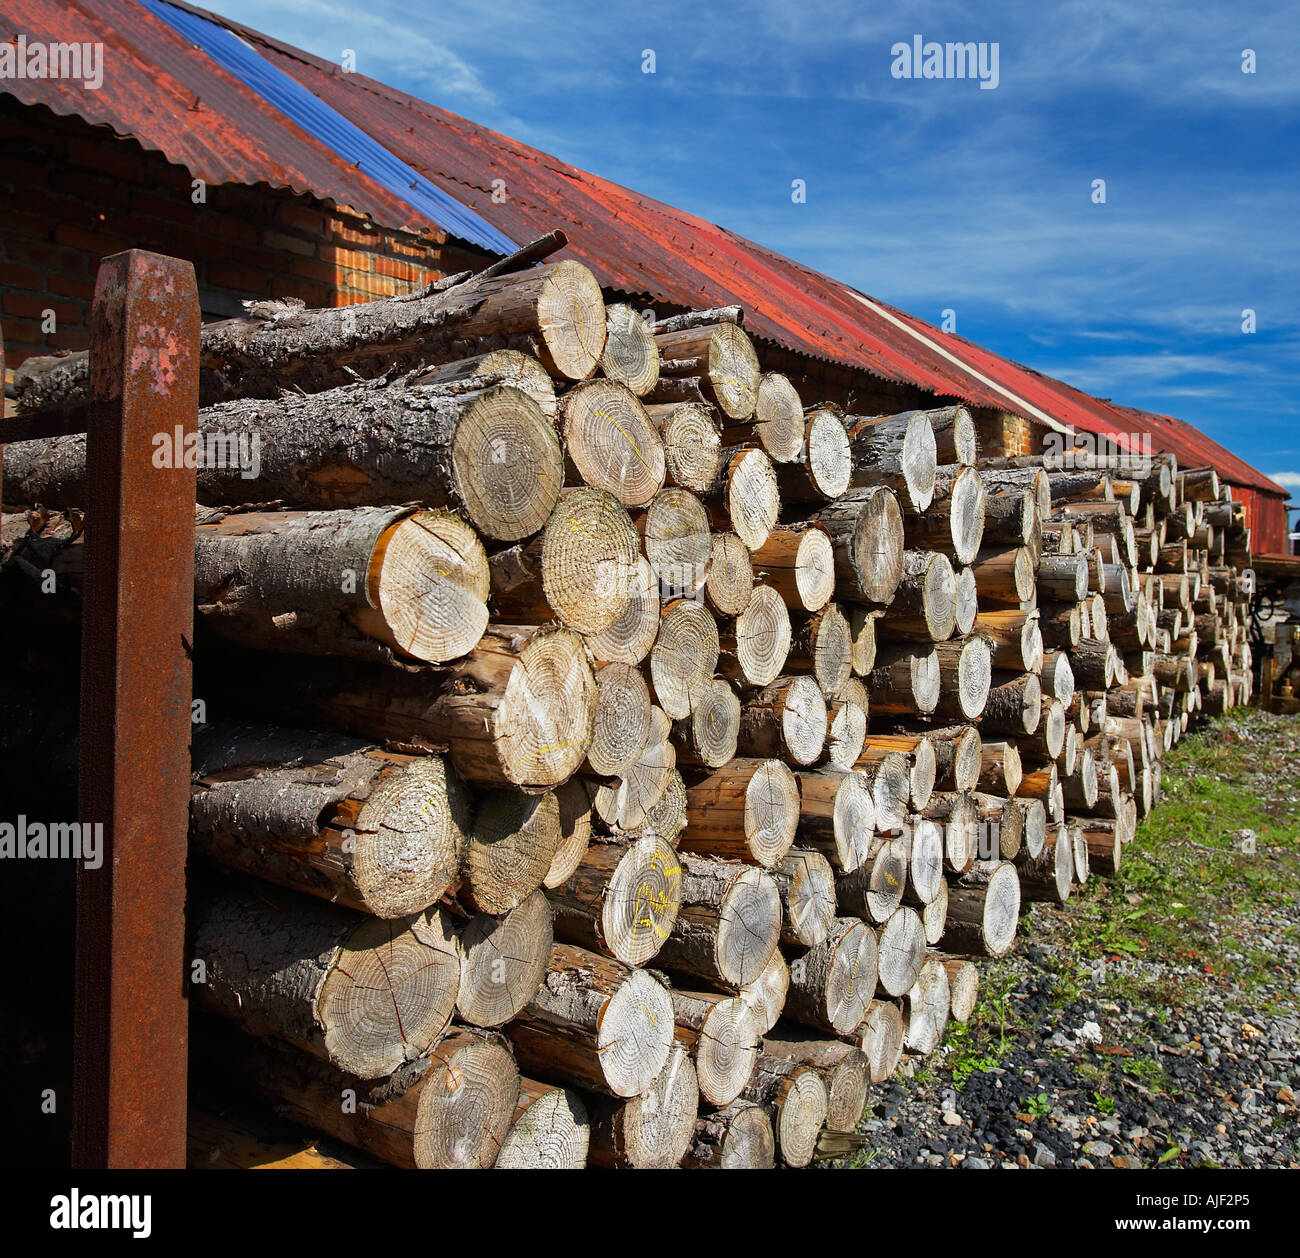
<point>331,128</point>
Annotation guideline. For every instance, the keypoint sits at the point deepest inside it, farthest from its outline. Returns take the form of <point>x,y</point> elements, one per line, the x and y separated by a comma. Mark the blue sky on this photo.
<point>933,194</point>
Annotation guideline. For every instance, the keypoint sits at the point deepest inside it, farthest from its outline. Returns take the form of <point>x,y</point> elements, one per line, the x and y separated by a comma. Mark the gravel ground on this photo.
<point>1155,1019</point>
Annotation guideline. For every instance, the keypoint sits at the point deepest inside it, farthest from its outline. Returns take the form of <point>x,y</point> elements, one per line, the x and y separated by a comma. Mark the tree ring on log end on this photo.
<point>506,463</point>
<point>589,557</point>
<point>612,442</point>
<point>635,1034</point>
<point>771,811</point>
<point>571,319</point>
<point>391,993</point>
<point>429,580</point>
<point>466,1107</point>
<point>410,838</point>
<point>800,1119</point>
<point>641,901</point>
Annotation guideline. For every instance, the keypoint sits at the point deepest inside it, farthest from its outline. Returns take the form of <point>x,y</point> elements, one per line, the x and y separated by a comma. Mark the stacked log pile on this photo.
<point>623,757</point>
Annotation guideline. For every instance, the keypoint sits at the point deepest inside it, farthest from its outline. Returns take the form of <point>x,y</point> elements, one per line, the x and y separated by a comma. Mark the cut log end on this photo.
<point>385,1001</point>
<point>503,961</point>
<point>506,464</point>
<point>552,1133</point>
<point>466,1105</point>
<point>631,356</point>
<point>571,320</point>
<point>429,583</point>
<point>544,720</point>
<point>612,442</point>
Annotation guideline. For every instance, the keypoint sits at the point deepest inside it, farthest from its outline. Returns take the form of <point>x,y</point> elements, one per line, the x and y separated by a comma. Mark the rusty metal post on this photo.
<point>129,1089</point>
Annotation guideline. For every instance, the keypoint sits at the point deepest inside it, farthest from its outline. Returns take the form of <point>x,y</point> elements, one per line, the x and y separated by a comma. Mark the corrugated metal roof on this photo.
<point>341,136</point>
<point>1195,449</point>
<point>640,245</point>
<point>632,242</point>
<point>159,90</point>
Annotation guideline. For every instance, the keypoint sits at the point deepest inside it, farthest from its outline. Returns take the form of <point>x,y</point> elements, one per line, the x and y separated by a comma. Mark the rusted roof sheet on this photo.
<point>642,246</point>
<point>633,243</point>
<point>160,90</point>
<point>1195,449</point>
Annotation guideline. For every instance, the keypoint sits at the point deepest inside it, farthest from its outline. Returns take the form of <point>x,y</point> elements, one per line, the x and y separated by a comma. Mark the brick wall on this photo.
<point>1002,434</point>
<point>71,193</point>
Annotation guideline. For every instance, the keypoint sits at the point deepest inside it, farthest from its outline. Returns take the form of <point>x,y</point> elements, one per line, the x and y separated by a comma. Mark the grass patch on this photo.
<point>1185,885</point>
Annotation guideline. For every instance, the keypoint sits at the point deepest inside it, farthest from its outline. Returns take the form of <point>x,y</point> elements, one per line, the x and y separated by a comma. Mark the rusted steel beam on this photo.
<point>130,1033</point>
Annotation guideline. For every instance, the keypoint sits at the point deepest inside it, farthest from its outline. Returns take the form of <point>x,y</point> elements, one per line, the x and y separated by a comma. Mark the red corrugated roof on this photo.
<point>632,242</point>
<point>161,91</point>
<point>640,245</point>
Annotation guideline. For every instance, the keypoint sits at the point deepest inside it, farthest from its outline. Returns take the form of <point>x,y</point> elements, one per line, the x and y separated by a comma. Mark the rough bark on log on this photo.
<point>516,711</point>
<point>362,582</point>
<point>965,678</point>
<point>923,607</point>
<point>489,452</point>
<point>954,521</point>
<point>786,720</point>
<point>1014,704</point>
<point>874,890</point>
<point>449,1109</point>
<point>329,815</point>
<point>905,680</point>
<point>596,1024</point>
<point>748,810</point>
<point>798,562</point>
<point>280,345</point>
<point>362,993</point>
